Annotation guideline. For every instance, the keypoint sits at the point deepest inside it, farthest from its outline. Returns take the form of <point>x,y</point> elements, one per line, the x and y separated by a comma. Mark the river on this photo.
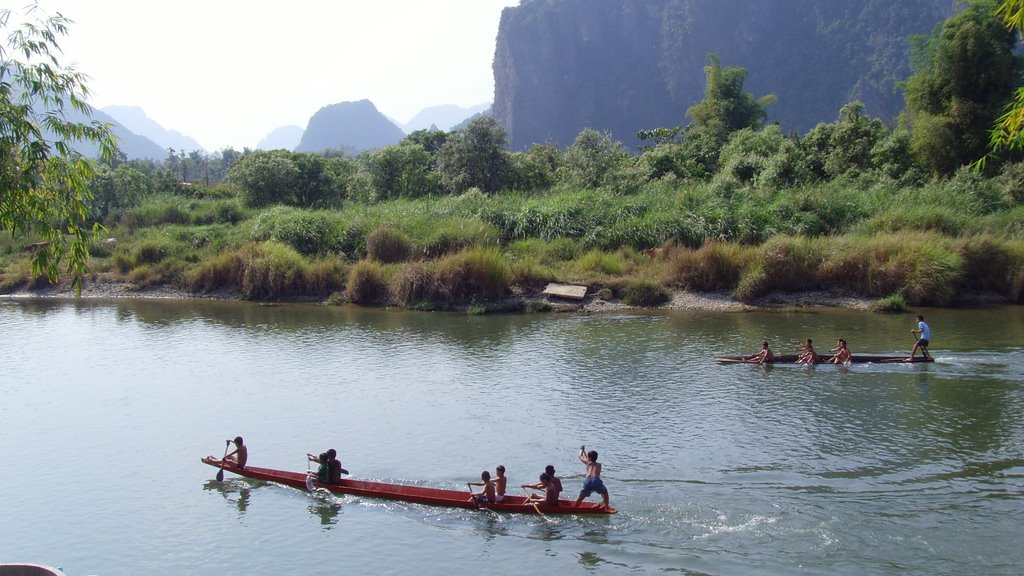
<point>107,406</point>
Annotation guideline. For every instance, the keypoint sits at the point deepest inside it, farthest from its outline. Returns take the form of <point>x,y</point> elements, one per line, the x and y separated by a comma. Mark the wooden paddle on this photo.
<point>220,473</point>
<point>529,500</point>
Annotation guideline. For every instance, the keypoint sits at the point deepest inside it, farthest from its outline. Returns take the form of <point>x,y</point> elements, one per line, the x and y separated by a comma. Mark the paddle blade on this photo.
<point>220,475</point>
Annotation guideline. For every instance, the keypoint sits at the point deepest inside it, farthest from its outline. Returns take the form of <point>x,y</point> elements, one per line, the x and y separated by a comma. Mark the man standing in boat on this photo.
<point>924,335</point>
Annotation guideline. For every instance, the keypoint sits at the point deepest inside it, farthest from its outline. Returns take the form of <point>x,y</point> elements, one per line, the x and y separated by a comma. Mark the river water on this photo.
<point>106,408</point>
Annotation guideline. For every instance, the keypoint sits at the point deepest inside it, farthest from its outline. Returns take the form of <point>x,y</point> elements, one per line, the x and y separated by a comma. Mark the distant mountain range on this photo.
<point>134,119</point>
<point>444,117</point>
<point>283,138</point>
<point>357,125</point>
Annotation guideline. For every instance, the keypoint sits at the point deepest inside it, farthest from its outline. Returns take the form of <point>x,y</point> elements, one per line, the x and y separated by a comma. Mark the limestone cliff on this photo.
<point>625,65</point>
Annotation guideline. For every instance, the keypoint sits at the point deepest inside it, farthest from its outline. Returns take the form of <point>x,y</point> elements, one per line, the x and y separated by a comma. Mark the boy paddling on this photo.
<point>924,334</point>
<point>592,483</point>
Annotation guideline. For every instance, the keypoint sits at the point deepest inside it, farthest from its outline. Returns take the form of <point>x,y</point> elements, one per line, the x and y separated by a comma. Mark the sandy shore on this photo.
<point>707,301</point>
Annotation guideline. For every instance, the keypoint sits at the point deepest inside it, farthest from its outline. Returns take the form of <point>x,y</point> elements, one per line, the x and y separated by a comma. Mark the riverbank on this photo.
<point>681,300</point>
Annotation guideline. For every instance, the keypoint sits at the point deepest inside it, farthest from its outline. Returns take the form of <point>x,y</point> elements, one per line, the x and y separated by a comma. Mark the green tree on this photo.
<point>844,146</point>
<point>475,157</point>
<point>266,177</point>
<point>725,109</point>
<point>114,191</point>
<point>1008,132</point>
<point>401,171</point>
<point>591,160</point>
<point>43,182</point>
<point>762,159</point>
<point>534,169</point>
<point>964,73</point>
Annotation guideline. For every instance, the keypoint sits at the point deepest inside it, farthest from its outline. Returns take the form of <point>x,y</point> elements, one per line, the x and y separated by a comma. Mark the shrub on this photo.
<point>714,266</point>
<point>986,264</point>
<point>273,271</point>
<point>413,284</point>
<point>151,252</point>
<point>145,276</point>
<point>265,270</point>
<point>307,232</point>
<point>924,268</point>
<point>478,274</point>
<point>783,263</point>
<point>154,214</point>
<point>388,245</point>
<point>602,262</point>
<point>893,303</point>
<point>452,235</point>
<point>1011,183</point>
<point>645,293</point>
<point>531,273</point>
<point>367,284</point>
<point>325,276</point>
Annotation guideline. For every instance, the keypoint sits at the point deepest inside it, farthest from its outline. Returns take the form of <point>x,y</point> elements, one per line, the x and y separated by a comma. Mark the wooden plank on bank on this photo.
<point>565,291</point>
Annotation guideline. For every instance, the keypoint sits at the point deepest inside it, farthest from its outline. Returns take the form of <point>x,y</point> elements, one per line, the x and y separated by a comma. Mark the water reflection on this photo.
<point>236,492</point>
<point>327,509</point>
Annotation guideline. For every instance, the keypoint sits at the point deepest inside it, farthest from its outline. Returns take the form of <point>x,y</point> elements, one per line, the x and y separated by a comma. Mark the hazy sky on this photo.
<point>227,72</point>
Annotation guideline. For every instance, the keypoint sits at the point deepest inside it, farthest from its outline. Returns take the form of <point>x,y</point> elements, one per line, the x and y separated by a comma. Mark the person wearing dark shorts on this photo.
<point>924,335</point>
<point>592,483</point>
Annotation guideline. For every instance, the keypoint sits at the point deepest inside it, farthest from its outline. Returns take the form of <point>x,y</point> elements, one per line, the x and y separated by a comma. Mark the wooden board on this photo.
<point>565,291</point>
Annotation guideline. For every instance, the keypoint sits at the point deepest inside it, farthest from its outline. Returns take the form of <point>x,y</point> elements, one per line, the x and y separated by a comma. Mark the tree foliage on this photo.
<point>591,160</point>
<point>1008,132</point>
<point>292,178</point>
<point>844,146</point>
<point>475,157</point>
<point>114,191</point>
<point>725,109</point>
<point>44,187</point>
<point>401,171</point>
<point>965,72</point>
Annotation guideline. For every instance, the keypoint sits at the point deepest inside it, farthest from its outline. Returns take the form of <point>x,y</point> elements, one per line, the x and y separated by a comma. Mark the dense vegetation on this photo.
<point>725,204</point>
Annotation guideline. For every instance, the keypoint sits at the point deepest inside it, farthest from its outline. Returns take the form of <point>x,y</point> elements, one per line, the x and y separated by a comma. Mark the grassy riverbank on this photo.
<point>935,244</point>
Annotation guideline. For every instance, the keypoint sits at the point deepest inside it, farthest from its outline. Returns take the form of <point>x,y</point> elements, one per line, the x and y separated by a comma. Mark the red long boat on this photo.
<point>826,358</point>
<point>416,494</point>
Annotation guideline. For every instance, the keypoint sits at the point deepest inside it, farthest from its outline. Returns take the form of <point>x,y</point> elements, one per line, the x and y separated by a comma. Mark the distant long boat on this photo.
<point>416,494</point>
<point>826,358</point>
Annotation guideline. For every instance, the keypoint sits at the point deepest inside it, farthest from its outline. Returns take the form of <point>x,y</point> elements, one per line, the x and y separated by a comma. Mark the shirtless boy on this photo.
<point>841,353</point>
<point>240,454</point>
<point>487,494</point>
<point>551,489</point>
<point>764,356</point>
<point>499,483</point>
<point>808,356</point>
<point>592,483</point>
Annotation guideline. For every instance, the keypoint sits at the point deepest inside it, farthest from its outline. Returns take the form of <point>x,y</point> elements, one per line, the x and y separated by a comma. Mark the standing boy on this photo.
<point>592,483</point>
<point>924,334</point>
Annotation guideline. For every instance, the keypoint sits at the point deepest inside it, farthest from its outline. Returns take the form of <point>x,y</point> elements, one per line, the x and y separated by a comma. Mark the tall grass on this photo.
<point>388,245</point>
<point>265,271</point>
<point>477,273</point>
<point>367,284</point>
<point>714,266</point>
<point>597,261</point>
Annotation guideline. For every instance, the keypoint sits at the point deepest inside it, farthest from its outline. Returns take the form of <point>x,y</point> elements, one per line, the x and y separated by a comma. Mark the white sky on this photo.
<point>228,72</point>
